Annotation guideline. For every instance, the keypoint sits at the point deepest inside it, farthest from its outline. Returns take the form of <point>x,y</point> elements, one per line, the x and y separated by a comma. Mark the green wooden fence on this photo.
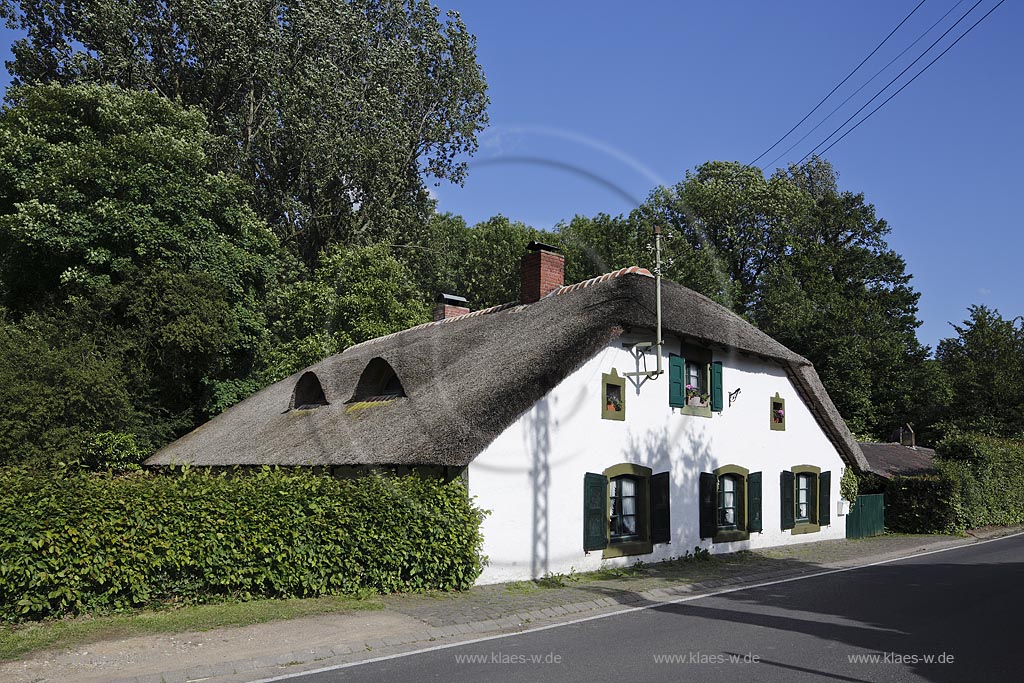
<point>867,517</point>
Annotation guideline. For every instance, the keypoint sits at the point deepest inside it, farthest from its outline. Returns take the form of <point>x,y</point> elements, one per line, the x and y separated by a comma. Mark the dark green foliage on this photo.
<point>804,261</point>
<point>79,542</point>
<point>134,276</point>
<point>927,503</point>
<point>355,294</point>
<point>991,472</point>
<point>480,263</point>
<point>849,485</point>
<point>335,111</point>
<point>58,392</point>
<point>983,367</point>
<point>980,482</point>
<point>728,226</point>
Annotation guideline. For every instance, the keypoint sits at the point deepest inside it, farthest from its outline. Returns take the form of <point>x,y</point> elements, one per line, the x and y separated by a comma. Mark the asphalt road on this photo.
<point>961,607</point>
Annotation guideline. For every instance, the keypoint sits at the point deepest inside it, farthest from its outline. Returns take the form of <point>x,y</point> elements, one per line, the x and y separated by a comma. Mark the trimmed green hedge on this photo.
<point>923,504</point>
<point>980,482</point>
<point>73,542</point>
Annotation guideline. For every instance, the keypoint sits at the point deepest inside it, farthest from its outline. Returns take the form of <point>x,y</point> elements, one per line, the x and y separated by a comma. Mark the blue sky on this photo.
<point>596,102</point>
<point>634,95</point>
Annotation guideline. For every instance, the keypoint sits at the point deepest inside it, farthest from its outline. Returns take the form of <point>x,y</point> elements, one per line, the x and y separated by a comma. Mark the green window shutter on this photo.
<point>787,513</point>
<point>676,381</point>
<point>825,499</point>
<point>741,497</point>
<point>661,520</point>
<point>754,502</point>
<point>595,511</point>
<point>716,387</point>
<point>812,499</point>
<point>708,504</point>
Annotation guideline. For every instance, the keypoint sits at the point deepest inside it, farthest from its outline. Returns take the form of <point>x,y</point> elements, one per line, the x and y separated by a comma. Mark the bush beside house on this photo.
<point>980,482</point>
<point>80,542</point>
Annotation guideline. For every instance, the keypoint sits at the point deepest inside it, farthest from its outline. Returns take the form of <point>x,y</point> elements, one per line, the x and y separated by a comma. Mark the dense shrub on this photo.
<point>75,542</point>
<point>979,482</point>
<point>990,471</point>
<point>922,504</point>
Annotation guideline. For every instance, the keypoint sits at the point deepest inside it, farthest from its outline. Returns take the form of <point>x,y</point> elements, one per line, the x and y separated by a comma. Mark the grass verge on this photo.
<point>16,641</point>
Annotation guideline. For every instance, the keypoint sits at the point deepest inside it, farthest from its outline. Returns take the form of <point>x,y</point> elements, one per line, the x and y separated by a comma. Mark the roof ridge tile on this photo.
<point>564,289</point>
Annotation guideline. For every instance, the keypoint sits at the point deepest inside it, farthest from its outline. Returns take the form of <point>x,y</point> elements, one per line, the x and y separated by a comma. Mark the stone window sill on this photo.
<point>627,548</point>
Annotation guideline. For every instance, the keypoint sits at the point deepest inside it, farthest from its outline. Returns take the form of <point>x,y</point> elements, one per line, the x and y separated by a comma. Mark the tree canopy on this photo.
<point>120,244</point>
<point>333,111</point>
<point>984,369</point>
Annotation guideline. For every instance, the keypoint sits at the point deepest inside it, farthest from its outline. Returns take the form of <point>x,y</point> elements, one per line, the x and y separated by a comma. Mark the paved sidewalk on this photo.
<point>412,622</point>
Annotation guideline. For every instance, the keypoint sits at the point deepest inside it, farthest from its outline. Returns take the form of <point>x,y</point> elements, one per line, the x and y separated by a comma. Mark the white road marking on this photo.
<point>626,610</point>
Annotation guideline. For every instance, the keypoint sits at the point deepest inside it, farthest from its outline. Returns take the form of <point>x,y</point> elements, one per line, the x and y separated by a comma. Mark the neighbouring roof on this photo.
<point>892,459</point>
<point>467,378</point>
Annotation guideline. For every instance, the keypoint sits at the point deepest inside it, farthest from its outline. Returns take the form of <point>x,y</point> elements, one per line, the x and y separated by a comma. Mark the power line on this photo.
<point>866,83</point>
<point>914,78</point>
<point>898,76</point>
<point>877,47</point>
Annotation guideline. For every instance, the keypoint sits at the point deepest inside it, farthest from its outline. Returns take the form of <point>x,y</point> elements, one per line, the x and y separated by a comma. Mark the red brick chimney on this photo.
<point>541,272</point>
<point>449,306</point>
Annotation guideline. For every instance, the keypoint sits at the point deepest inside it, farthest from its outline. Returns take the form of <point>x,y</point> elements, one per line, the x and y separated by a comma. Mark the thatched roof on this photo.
<point>466,379</point>
<point>892,459</point>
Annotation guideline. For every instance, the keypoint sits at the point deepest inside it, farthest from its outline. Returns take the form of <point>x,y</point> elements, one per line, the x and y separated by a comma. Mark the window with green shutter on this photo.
<point>825,499</point>
<point>787,497</point>
<point>676,381</point>
<point>661,518</point>
<point>730,504</point>
<point>595,511</point>
<point>810,499</point>
<point>707,497</point>
<point>690,381</point>
<point>716,387</point>
<point>754,502</point>
<point>626,510</point>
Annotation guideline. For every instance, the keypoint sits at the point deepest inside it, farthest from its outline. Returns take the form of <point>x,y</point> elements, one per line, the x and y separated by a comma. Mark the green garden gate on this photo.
<point>867,517</point>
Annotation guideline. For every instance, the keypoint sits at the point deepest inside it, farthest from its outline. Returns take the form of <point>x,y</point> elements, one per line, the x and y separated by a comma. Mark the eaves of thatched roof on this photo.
<point>468,378</point>
<point>896,460</point>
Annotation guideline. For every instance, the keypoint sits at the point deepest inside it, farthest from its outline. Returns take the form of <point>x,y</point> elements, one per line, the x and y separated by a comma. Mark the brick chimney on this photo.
<point>541,272</point>
<point>449,306</point>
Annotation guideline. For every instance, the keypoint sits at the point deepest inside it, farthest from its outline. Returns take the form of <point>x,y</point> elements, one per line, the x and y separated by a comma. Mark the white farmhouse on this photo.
<point>562,428</point>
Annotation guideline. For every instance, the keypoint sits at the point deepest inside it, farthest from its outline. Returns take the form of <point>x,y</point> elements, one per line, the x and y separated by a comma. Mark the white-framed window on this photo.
<point>727,501</point>
<point>803,497</point>
<point>623,524</point>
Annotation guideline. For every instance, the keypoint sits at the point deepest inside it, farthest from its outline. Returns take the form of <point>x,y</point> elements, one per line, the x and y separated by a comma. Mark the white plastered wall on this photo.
<point>531,477</point>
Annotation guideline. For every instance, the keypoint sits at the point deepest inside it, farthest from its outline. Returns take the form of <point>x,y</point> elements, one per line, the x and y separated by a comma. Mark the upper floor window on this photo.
<point>777,418</point>
<point>613,396</point>
<point>379,381</point>
<point>695,381</point>
<point>308,393</point>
